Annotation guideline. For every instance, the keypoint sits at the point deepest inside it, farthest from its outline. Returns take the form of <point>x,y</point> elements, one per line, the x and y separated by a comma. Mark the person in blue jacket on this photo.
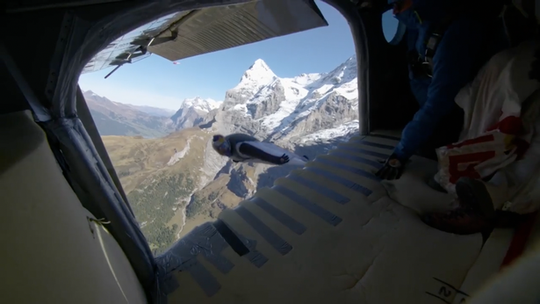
<point>448,42</point>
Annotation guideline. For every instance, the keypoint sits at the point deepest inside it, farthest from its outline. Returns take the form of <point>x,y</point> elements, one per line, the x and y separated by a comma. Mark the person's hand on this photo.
<point>284,159</point>
<point>391,169</point>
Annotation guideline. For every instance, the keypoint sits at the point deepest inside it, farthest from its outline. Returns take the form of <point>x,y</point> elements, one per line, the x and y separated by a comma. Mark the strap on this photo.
<point>425,65</point>
<point>39,112</point>
<point>519,240</point>
<point>438,31</point>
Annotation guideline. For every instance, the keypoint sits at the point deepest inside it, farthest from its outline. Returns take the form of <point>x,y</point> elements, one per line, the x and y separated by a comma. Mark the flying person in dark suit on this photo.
<point>241,147</point>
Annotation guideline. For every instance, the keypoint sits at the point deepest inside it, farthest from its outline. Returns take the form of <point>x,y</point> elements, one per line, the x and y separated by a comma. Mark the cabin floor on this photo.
<point>333,232</point>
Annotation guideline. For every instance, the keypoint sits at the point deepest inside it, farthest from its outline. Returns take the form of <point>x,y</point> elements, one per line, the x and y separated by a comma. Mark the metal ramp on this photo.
<point>327,233</point>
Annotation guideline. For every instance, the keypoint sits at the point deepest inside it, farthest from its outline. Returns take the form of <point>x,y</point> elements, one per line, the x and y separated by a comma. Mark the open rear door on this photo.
<point>195,32</point>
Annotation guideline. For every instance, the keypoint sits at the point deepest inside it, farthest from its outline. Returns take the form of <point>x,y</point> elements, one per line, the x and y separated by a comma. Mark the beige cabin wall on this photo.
<point>51,249</point>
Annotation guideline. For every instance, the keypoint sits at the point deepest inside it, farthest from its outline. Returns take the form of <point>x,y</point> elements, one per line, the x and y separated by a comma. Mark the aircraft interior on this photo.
<point>330,232</point>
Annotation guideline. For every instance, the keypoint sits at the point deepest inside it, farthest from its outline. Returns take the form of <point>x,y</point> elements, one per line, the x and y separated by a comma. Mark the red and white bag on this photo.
<point>481,156</point>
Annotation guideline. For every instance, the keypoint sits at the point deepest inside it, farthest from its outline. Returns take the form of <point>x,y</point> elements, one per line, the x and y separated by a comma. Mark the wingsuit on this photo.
<point>448,42</point>
<point>241,147</point>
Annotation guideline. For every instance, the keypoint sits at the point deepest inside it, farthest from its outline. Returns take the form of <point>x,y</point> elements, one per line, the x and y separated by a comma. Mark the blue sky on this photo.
<point>158,82</point>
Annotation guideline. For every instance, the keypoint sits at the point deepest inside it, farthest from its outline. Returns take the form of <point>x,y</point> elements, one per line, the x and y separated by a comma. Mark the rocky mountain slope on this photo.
<point>153,111</point>
<point>114,118</point>
<point>177,182</point>
<point>159,176</point>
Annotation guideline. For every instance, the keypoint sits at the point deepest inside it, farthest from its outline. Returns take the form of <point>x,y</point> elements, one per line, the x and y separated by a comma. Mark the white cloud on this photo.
<point>130,95</point>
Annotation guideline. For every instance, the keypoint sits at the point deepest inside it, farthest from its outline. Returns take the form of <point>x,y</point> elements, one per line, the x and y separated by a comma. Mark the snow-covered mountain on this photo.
<point>290,109</point>
<point>200,104</point>
<point>193,112</point>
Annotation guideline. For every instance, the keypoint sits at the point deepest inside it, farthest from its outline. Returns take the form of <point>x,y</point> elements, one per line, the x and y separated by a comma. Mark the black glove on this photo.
<point>392,168</point>
<point>284,159</point>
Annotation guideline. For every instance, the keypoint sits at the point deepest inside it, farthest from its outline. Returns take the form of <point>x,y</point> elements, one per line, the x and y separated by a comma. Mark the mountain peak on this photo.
<point>194,99</point>
<point>351,60</point>
<point>202,104</point>
<point>90,93</point>
<point>258,72</point>
<point>259,64</point>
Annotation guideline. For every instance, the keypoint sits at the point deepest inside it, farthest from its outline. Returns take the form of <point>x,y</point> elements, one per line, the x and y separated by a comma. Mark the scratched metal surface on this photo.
<point>327,233</point>
<point>196,32</point>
